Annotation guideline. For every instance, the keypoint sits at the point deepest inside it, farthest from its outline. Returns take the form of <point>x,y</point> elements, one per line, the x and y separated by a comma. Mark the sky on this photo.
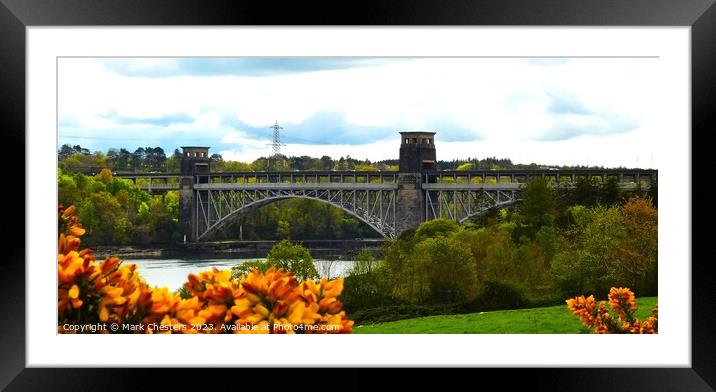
<point>552,111</point>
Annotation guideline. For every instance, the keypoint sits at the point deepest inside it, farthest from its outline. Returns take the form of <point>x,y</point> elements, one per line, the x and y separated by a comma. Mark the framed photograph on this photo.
<point>473,186</point>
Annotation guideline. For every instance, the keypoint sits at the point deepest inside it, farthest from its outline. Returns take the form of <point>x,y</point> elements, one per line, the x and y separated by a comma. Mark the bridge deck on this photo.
<point>510,179</point>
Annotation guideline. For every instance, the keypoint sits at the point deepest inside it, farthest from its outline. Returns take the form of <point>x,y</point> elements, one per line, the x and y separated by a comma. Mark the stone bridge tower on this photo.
<point>194,160</point>
<point>417,155</point>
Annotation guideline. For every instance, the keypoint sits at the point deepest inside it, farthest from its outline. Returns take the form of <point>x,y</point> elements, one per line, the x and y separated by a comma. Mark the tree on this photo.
<point>445,269</point>
<point>591,251</point>
<point>100,213</point>
<point>440,227</point>
<point>639,248</point>
<point>216,162</point>
<point>67,190</point>
<point>364,263</point>
<point>585,192</point>
<point>65,152</point>
<point>610,192</point>
<point>137,160</point>
<point>105,176</point>
<point>173,163</point>
<point>294,258</point>
<point>538,206</point>
<point>653,192</point>
<point>326,163</point>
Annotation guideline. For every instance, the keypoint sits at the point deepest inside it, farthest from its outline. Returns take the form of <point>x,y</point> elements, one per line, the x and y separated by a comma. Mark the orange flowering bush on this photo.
<point>621,319</point>
<point>108,297</point>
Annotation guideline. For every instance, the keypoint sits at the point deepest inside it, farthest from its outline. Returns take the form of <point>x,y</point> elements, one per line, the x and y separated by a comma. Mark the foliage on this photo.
<point>610,192</point>
<point>445,272</point>
<point>585,192</point>
<point>297,219</point>
<point>116,211</point>
<point>294,258</point>
<point>608,246</point>
<point>111,294</point>
<point>639,247</point>
<point>367,290</point>
<point>364,263</point>
<point>621,319</point>
<point>498,295</point>
<point>441,227</point>
<point>537,209</point>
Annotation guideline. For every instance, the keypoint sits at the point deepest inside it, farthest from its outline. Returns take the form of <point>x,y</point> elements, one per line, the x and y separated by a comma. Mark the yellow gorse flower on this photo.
<point>108,291</point>
<point>622,301</point>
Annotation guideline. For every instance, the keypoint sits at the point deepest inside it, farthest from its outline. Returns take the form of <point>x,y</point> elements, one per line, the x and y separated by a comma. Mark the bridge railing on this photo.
<point>565,177</point>
<point>558,176</point>
<point>153,181</point>
<point>299,177</point>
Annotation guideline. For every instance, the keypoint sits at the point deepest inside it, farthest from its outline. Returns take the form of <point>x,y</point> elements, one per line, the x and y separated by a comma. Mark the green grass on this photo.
<point>553,319</point>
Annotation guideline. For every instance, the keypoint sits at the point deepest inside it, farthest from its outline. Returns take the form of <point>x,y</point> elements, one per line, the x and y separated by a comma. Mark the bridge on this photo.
<point>389,202</point>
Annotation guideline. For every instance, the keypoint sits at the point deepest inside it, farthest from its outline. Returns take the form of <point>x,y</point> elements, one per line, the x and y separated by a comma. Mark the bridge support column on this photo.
<point>410,209</point>
<point>187,208</point>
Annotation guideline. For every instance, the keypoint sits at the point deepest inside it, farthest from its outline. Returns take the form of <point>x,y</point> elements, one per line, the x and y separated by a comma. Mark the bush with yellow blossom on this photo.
<point>621,319</point>
<point>110,294</point>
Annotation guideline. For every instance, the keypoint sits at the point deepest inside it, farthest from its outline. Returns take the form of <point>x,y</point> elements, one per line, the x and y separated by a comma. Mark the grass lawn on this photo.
<point>553,319</point>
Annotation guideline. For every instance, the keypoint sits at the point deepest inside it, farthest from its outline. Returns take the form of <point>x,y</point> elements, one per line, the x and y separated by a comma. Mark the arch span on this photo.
<point>364,215</point>
<point>507,203</point>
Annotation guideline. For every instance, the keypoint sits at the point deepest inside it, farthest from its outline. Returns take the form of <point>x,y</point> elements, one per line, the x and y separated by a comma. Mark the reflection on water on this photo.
<point>172,273</point>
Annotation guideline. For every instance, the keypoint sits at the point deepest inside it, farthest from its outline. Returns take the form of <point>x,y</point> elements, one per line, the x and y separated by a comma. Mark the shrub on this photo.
<point>498,296</point>
<point>394,312</point>
<point>365,285</point>
<point>597,317</point>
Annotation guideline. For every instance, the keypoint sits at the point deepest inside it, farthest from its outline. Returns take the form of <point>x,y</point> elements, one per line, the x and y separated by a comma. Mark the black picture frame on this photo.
<point>16,15</point>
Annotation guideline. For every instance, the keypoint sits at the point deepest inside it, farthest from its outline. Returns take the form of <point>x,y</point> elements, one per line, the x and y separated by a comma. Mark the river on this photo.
<point>172,273</point>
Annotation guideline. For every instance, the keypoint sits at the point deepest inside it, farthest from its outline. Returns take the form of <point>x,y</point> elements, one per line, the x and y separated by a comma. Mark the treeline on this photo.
<point>283,163</point>
<point>297,219</point>
<point>538,254</point>
<point>154,159</point>
<point>116,212</point>
<point>493,163</point>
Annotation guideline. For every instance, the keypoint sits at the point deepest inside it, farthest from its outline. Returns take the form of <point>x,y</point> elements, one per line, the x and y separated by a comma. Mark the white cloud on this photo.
<point>506,102</point>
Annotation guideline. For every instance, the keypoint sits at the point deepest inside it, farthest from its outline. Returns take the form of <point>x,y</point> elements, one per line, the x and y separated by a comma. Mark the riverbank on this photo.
<point>327,249</point>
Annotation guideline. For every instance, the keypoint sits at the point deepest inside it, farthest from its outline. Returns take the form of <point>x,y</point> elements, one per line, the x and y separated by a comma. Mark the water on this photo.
<point>172,273</point>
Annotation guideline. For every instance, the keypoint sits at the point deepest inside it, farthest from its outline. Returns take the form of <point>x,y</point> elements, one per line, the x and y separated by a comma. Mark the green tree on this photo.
<point>364,263</point>
<point>591,251</point>
<point>610,192</point>
<point>446,272</point>
<point>293,258</point>
<point>283,230</point>
<point>440,227</point>
<point>67,190</point>
<point>538,206</point>
<point>585,192</point>
<point>100,213</point>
